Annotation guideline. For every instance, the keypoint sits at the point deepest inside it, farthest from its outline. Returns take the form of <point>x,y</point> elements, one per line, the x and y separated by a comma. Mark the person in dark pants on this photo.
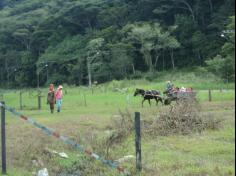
<point>51,100</point>
<point>169,86</point>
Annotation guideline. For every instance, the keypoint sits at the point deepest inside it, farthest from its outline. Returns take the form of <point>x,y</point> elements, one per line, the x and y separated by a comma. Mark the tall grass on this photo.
<point>198,79</point>
<point>90,110</point>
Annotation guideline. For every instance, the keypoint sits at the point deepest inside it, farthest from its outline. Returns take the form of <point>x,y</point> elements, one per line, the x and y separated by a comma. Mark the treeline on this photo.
<point>82,41</point>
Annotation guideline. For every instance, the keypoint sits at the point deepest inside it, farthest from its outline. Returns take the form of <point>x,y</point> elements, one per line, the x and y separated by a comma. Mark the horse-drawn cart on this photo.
<point>179,96</point>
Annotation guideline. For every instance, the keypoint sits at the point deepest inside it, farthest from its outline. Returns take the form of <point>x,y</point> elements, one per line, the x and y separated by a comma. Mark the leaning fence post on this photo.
<point>210,96</point>
<point>138,142</point>
<point>3,144</point>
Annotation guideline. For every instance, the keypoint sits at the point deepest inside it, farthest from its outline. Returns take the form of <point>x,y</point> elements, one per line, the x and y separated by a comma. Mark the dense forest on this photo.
<point>84,41</point>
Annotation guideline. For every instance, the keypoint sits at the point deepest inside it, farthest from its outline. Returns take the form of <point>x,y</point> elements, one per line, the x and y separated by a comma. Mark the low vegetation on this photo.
<point>199,136</point>
<point>103,50</point>
<point>182,118</point>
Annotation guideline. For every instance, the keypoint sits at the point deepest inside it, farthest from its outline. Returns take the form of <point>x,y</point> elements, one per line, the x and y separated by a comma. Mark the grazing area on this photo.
<point>101,118</point>
<point>117,87</point>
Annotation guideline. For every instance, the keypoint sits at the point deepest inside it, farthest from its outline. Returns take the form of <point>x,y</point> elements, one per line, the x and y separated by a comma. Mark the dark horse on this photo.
<point>148,95</point>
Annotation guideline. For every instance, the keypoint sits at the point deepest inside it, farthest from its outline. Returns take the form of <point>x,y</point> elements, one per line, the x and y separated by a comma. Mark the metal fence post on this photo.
<point>3,141</point>
<point>138,142</point>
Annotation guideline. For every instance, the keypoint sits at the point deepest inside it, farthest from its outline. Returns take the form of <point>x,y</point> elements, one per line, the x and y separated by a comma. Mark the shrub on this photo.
<point>151,76</point>
<point>182,118</point>
<point>137,75</point>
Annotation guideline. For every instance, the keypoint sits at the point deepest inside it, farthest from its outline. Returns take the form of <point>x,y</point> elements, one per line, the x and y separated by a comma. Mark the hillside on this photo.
<point>81,41</point>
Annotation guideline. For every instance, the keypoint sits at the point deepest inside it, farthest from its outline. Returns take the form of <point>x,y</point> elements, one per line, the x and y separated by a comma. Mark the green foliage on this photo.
<point>223,65</point>
<point>130,37</point>
<point>121,59</point>
<point>216,65</point>
<point>70,48</point>
<point>150,37</point>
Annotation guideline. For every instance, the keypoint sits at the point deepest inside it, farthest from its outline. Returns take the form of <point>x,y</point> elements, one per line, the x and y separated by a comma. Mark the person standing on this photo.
<point>51,97</point>
<point>59,95</point>
<point>169,86</point>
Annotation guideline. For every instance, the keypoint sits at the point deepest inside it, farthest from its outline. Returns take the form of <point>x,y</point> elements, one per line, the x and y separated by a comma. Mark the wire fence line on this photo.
<point>68,141</point>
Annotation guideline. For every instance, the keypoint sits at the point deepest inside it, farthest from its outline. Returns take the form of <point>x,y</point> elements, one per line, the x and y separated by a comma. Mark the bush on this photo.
<point>151,76</point>
<point>137,75</point>
<point>222,66</point>
<point>182,118</point>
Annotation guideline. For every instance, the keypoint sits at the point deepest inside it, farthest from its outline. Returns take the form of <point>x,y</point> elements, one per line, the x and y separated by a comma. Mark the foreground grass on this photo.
<point>85,118</point>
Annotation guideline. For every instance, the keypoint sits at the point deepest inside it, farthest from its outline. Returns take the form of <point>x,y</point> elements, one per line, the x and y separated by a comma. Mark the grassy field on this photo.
<point>87,116</point>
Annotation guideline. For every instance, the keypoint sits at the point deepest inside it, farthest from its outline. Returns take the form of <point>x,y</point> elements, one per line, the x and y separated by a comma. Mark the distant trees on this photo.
<point>97,40</point>
<point>151,39</point>
<point>94,52</point>
<point>223,64</point>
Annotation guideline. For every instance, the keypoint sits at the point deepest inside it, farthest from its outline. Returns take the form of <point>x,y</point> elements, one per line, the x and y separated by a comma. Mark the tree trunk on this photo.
<point>156,61</point>
<point>134,71</point>
<point>148,60</point>
<point>28,46</point>
<point>189,8</point>
<point>172,58</point>
<point>211,5</point>
<point>89,24</point>
<point>163,60</point>
<point>199,57</point>
<point>150,64</point>
<point>7,70</point>
<point>89,73</point>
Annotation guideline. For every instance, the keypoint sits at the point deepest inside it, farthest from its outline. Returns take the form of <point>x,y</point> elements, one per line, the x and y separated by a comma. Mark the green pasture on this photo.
<point>99,100</point>
<point>90,110</point>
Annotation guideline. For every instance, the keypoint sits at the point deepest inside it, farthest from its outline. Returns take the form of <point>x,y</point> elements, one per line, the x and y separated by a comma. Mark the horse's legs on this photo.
<point>143,102</point>
<point>156,101</point>
<point>149,102</point>
<point>160,99</point>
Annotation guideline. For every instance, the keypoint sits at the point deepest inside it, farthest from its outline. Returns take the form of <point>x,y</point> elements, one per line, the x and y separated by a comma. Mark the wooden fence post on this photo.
<point>138,142</point>
<point>1,97</point>
<point>3,141</point>
<point>210,96</point>
<point>39,102</point>
<point>85,102</point>
<point>21,105</point>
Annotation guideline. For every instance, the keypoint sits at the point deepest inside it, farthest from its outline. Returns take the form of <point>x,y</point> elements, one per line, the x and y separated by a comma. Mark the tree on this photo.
<point>224,63</point>
<point>151,38</point>
<point>135,33</point>
<point>121,60</point>
<point>94,50</point>
<point>24,36</point>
